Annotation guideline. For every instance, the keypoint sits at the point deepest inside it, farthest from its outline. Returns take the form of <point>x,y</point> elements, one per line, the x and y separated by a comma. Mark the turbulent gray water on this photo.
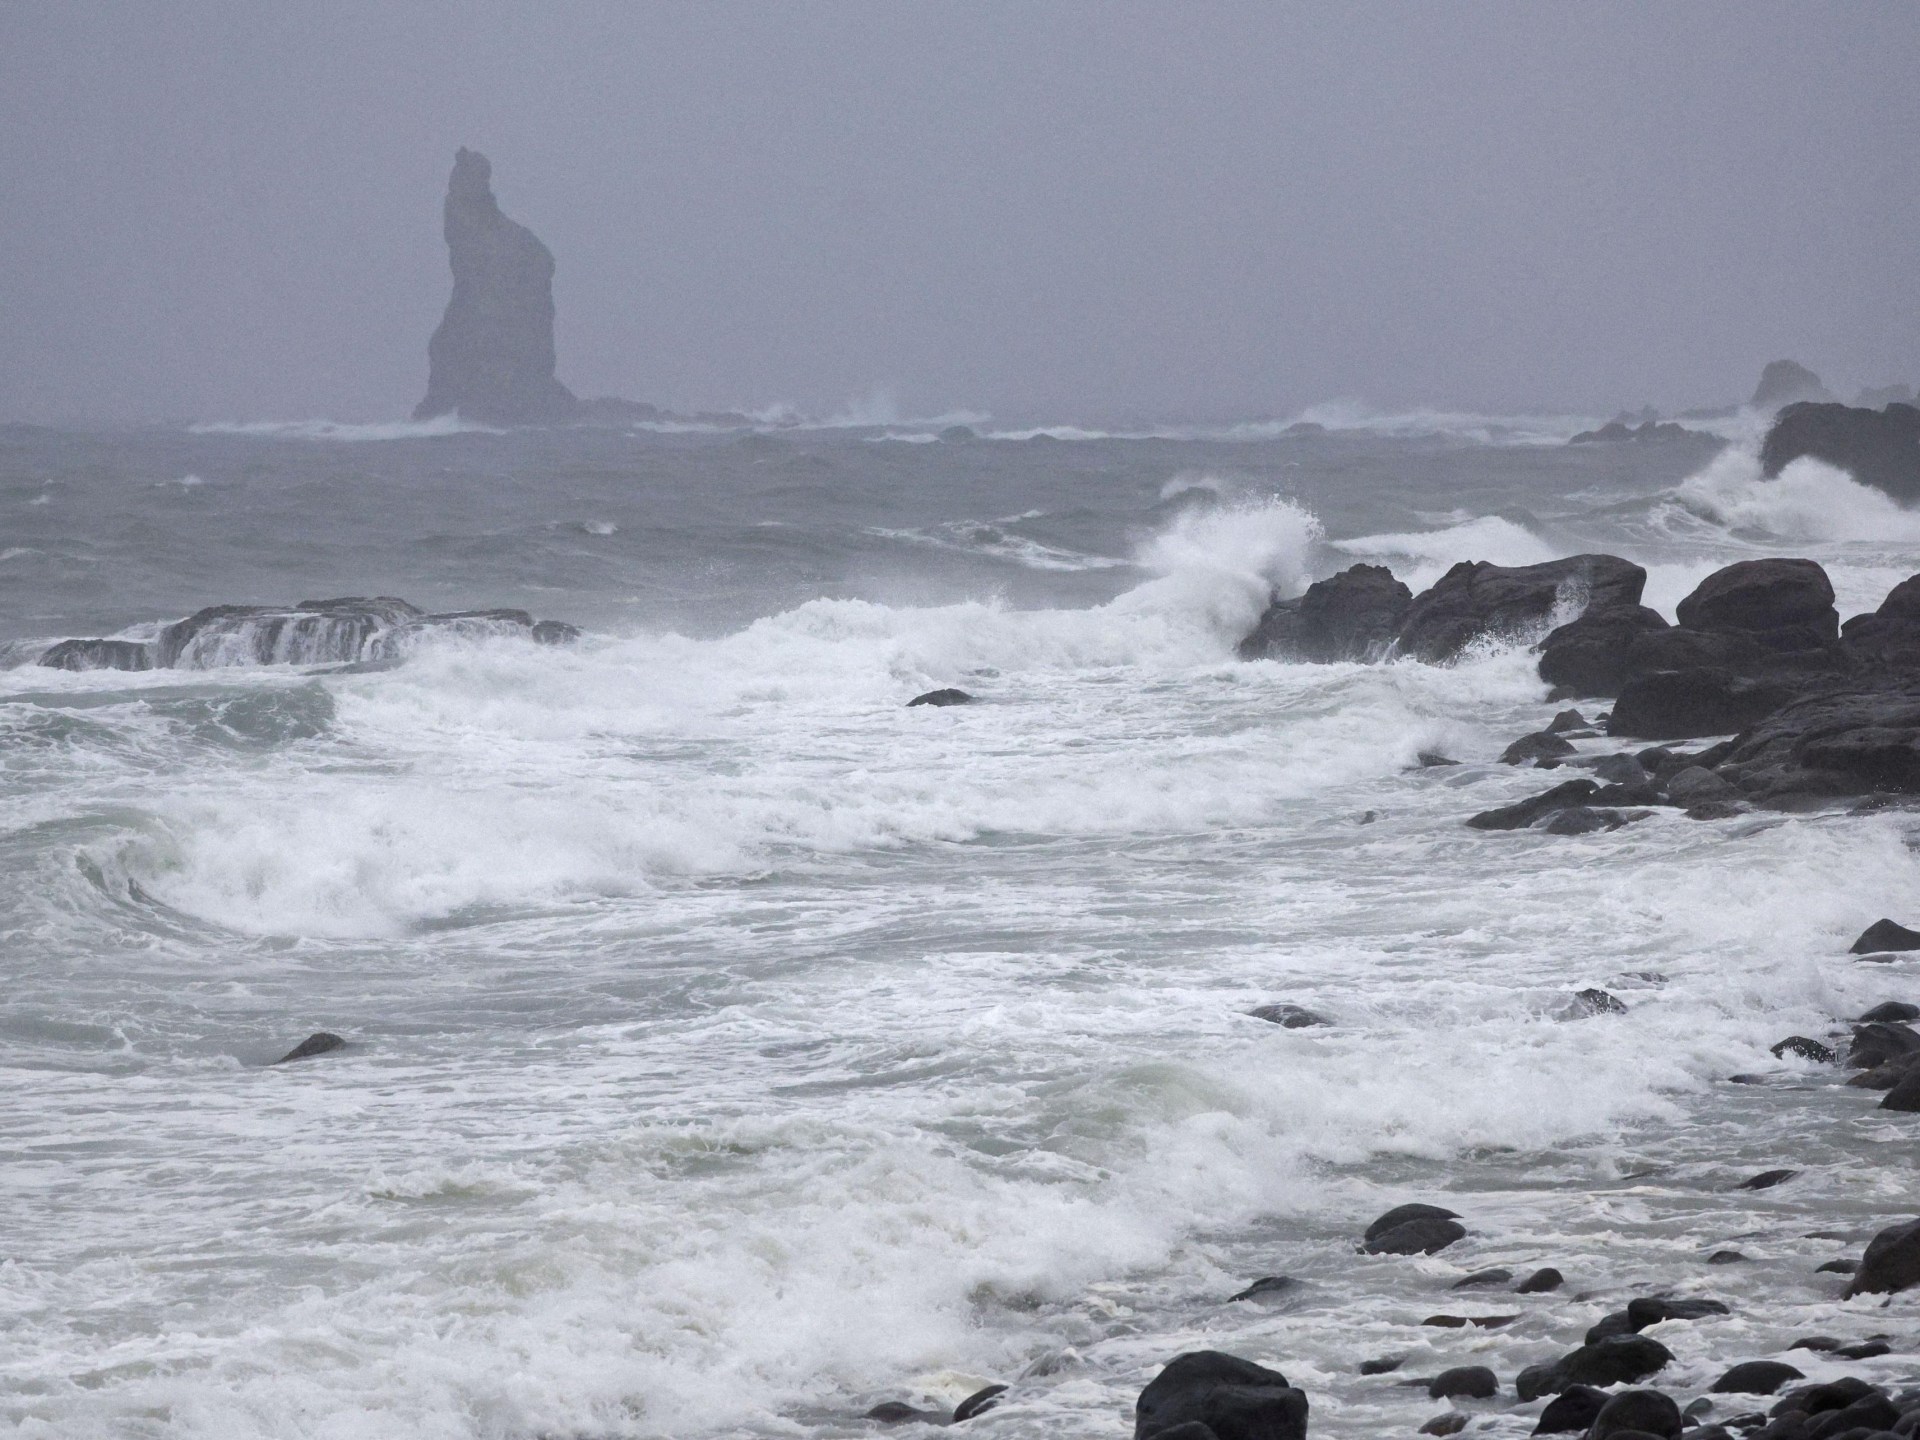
<point>734,1048</point>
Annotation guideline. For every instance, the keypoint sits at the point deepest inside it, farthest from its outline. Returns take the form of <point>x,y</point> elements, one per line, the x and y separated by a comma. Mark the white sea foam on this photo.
<point>440,425</point>
<point>1810,500</point>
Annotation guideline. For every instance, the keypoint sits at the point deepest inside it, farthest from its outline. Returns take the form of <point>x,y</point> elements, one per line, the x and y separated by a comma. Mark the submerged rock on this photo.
<point>1767,1179</point>
<point>1234,1398</point>
<point>1541,1282</point>
<point>1267,1287</point>
<point>320,1042</point>
<point>491,360</point>
<point>1289,1017</point>
<point>1756,1377</point>
<point>941,698</point>
<point>978,1403</point>
<point>1802,1046</point>
<point>1523,813</point>
<point>98,655</point>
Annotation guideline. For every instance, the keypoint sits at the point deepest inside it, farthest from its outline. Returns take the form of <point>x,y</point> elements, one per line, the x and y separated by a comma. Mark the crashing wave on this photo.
<point>347,630</point>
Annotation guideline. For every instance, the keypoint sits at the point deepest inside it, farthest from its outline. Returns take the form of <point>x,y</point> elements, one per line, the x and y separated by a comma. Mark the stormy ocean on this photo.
<point>733,1049</point>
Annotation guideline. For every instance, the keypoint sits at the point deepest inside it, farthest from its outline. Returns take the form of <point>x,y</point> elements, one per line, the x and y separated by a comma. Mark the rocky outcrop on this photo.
<point>1615,431</point>
<point>492,358</point>
<point>346,630</point>
<point>1880,448</point>
<point>1354,615</point>
<point>1785,381</point>
<point>1476,598</point>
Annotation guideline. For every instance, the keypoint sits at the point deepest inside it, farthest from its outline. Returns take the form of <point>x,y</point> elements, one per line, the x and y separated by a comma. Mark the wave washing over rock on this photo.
<point>680,1033</point>
<point>315,632</point>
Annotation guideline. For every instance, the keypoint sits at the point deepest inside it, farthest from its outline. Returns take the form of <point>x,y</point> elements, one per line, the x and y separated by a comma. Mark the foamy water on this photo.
<point>734,1048</point>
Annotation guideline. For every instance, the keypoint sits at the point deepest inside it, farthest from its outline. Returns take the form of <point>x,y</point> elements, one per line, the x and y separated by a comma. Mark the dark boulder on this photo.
<point>1880,448</point>
<point>1608,1326</point>
<point>898,1412</point>
<point>1467,1382</point>
<point>1803,1047</point>
<point>1653,1309</point>
<point>1451,1423</point>
<point>98,655</point>
<point>1593,655</point>
<point>1891,1262</point>
<point>1767,1179</point>
<point>1586,820</point>
<point>941,698</point>
<point>1708,700</point>
<point>1726,1257</point>
<point>1885,935</point>
<point>1267,1287</point>
<point>1354,615</point>
<point>1235,1398</point>
<point>1288,1017</point>
<point>1891,1012</point>
<point>1595,1002</point>
<point>318,1043</point>
<point>1531,749</point>
<point>554,632</point>
<point>1384,1365</point>
<point>1192,1430</point>
<point>1880,1044</point>
<point>1784,604</point>
<point>978,1403</point>
<point>1573,1409</point>
<point>1402,1214</point>
<point>1637,1412</point>
<point>1475,598</point>
<point>1481,1278</point>
<point>1619,1360</point>
<point>1416,1237</point>
<point>492,359</point>
<point>1523,813</point>
<point>1540,1282</point>
<point>1904,1094</point>
<point>1755,1377</point>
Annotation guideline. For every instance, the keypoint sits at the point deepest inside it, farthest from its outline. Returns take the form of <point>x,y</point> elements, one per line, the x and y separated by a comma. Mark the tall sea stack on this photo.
<point>492,357</point>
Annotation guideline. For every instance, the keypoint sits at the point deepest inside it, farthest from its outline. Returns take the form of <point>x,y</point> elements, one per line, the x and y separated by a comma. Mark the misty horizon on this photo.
<point>1075,214</point>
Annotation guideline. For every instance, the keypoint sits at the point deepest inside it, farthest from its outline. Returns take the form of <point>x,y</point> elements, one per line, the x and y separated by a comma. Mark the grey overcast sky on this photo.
<point>1058,210</point>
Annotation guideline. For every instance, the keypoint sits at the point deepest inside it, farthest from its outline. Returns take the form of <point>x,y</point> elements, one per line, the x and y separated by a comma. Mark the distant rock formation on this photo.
<point>1879,397</point>
<point>1880,448</point>
<point>1785,381</point>
<point>491,360</point>
<point>1646,430</point>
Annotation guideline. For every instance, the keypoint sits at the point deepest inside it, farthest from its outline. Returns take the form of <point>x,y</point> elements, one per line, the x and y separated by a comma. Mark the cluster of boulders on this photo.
<point>314,632</point>
<point>1597,1389</point>
<point>1814,708</point>
<point>1365,614</point>
<point>1881,1046</point>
